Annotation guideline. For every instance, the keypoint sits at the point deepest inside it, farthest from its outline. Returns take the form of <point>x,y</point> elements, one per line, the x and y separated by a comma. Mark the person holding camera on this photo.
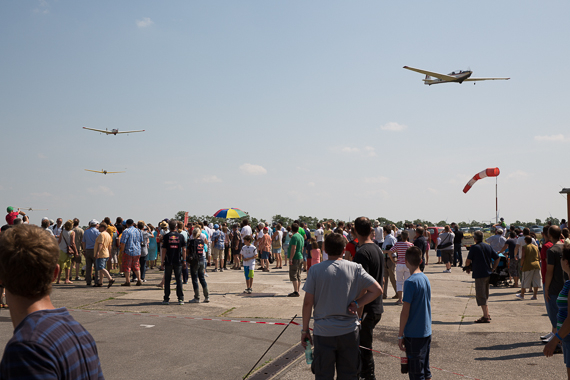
<point>479,260</point>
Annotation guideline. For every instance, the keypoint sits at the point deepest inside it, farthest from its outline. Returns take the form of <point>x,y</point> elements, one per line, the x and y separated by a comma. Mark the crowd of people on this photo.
<point>349,267</point>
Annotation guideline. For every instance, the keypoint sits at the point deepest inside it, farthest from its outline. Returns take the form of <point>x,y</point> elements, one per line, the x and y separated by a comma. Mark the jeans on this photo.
<point>197,272</point>
<point>417,351</point>
<point>89,261</point>
<point>457,256</point>
<point>369,321</point>
<point>168,268</point>
<point>340,352</point>
<point>142,262</point>
<point>185,274</point>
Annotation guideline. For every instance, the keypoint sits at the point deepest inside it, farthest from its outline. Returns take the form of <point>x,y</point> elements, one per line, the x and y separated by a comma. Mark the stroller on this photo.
<point>501,275</point>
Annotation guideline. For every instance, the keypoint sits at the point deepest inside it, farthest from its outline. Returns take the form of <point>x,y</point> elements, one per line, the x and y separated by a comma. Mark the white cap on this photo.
<point>93,222</point>
<point>500,230</point>
<point>45,218</point>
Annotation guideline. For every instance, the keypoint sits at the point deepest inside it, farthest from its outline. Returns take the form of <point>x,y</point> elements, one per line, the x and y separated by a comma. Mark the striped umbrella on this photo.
<point>230,213</point>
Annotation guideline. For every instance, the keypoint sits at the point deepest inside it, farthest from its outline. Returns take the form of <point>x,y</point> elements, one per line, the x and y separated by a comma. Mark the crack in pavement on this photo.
<point>466,304</point>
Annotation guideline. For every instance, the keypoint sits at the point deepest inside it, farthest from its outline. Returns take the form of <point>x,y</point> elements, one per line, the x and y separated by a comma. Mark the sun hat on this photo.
<point>93,222</point>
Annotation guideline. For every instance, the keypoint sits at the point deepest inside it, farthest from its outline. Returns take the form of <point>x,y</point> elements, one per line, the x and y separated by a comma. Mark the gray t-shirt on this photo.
<point>335,284</point>
<point>497,242</point>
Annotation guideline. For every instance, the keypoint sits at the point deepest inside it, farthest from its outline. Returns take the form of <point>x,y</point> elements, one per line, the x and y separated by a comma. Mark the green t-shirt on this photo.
<point>302,232</point>
<point>298,242</point>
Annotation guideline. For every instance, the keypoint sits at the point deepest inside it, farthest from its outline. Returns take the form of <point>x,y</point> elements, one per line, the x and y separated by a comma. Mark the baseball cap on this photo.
<point>10,209</point>
<point>500,230</point>
<point>502,218</point>
<point>93,222</point>
<point>216,226</point>
<point>265,229</point>
<point>45,218</point>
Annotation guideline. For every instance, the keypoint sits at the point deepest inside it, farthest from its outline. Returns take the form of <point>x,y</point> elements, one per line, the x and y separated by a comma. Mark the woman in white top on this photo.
<point>66,239</point>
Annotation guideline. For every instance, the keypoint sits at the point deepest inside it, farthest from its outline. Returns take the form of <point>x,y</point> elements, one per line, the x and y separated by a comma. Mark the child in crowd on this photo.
<point>315,252</point>
<point>414,335</point>
<point>249,254</point>
<point>264,245</point>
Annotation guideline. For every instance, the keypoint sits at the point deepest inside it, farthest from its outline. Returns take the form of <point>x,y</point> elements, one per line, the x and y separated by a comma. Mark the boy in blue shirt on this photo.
<point>414,335</point>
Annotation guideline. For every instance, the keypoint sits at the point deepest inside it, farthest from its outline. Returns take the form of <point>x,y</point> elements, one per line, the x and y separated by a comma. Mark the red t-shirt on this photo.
<point>351,247</point>
<point>11,216</point>
<point>543,250</point>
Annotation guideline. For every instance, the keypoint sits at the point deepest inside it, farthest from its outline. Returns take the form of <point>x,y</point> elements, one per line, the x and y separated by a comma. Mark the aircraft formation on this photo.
<point>107,132</point>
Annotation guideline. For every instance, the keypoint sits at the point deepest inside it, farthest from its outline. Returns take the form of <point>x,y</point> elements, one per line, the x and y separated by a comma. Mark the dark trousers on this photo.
<point>168,269</point>
<point>367,326</point>
<point>457,257</point>
<point>417,351</point>
<point>185,274</point>
<point>197,271</point>
<point>89,262</point>
<point>142,261</point>
<point>336,352</point>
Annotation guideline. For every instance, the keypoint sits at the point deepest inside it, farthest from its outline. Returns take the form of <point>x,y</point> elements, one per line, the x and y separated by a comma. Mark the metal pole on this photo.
<point>496,202</point>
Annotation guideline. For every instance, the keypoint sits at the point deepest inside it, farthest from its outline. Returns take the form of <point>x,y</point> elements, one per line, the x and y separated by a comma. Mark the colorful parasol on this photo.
<point>230,213</point>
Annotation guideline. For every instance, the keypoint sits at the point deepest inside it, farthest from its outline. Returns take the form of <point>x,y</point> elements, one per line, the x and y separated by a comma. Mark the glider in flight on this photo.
<point>112,131</point>
<point>102,171</point>
<point>458,76</point>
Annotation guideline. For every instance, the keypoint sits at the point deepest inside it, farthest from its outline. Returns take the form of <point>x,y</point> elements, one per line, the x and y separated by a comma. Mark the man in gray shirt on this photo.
<point>337,289</point>
<point>497,241</point>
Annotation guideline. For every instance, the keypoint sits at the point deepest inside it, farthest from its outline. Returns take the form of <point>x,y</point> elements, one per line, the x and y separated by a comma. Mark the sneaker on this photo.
<point>533,298</point>
<point>215,270</point>
<point>547,336</point>
<point>139,283</point>
<point>207,299</point>
<point>77,279</point>
<point>519,296</point>
<point>547,340</point>
<point>206,274</point>
<point>294,294</point>
<point>143,280</point>
<point>246,291</point>
<point>221,269</point>
<point>249,291</point>
<point>165,303</point>
<point>194,300</point>
<point>180,302</point>
<point>447,271</point>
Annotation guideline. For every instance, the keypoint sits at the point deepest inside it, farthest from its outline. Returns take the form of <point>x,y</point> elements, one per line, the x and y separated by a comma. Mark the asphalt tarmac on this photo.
<point>138,337</point>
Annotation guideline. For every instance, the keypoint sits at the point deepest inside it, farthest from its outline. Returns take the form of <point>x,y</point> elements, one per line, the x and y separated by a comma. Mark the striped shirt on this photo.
<point>401,247</point>
<point>562,303</point>
<point>50,344</point>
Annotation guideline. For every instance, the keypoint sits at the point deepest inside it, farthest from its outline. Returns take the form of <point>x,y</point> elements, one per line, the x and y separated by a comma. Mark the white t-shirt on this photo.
<point>379,234</point>
<point>248,252</point>
<point>246,230</point>
<point>319,234</point>
<point>521,243</point>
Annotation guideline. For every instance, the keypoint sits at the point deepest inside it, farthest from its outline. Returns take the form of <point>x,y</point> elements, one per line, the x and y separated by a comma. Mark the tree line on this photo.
<point>312,221</point>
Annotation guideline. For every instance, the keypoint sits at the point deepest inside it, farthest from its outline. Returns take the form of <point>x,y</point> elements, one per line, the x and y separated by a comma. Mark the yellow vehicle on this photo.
<point>467,240</point>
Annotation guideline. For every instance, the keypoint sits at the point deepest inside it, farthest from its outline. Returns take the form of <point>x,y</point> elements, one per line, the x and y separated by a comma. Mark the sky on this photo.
<point>284,107</point>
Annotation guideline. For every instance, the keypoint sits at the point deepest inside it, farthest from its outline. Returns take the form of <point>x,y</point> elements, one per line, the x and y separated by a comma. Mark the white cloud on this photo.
<point>253,169</point>
<point>145,22</point>
<point>394,127</point>
<point>100,190</point>
<point>42,7</point>
<point>369,151</point>
<point>311,184</point>
<point>172,185</point>
<point>209,179</point>
<point>519,174</point>
<point>379,179</point>
<point>41,195</point>
<point>432,190</point>
<point>552,138</point>
<point>348,149</point>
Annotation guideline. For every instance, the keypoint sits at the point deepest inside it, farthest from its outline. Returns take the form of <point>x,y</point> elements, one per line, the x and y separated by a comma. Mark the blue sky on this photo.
<point>292,108</point>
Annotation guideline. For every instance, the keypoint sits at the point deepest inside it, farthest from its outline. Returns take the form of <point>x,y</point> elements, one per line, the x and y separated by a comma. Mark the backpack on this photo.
<point>195,249</point>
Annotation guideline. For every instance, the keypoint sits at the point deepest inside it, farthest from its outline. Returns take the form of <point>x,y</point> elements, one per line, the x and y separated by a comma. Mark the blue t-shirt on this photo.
<point>218,238</point>
<point>562,303</point>
<point>417,292</point>
<point>482,256</point>
<point>50,344</point>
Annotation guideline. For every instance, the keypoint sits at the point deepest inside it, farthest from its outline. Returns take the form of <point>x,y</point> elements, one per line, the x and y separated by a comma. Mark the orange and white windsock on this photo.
<point>491,172</point>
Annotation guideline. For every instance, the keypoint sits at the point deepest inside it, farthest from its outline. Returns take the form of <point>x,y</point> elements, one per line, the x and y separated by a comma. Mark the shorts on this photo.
<point>100,264</point>
<point>295,270</point>
<point>217,253</point>
<point>248,272</point>
<point>276,250</point>
<point>76,259</point>
<point>130,262</point>
<point>264,255</point>
<point>531,279</point>
<point>447,256</point>
<point>514,268</point>
<point>482,290</point>
<point>439,253</point>
<point>64,260</point>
